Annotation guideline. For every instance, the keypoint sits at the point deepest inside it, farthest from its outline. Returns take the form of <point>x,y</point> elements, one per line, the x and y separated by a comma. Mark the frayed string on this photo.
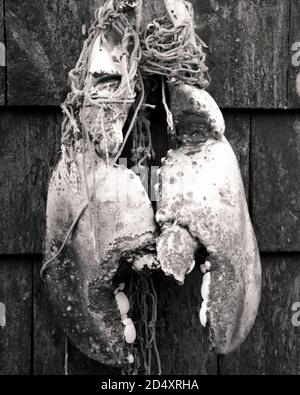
<point>170,120</point>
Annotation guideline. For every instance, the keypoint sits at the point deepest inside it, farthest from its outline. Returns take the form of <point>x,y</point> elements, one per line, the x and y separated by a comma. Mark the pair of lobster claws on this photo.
<point>201,206</point>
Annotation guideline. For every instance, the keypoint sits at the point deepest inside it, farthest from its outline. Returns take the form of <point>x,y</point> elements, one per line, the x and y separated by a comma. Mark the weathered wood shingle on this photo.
<point>2,56</point>
<point>275,173</point>
<point>238,134</point>
<point>248,50</point>
<point>15,336</point>
<point>273,346</point>
<point>28,153</point>
<point>294,59</point>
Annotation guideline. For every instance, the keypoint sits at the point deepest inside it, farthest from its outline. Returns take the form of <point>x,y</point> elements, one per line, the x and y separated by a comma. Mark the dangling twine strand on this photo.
<point>132,123</point>
<point>170,121</point>
<point>142,140</point>
<point>149,302</point>
<point>147,330</point>
<point>70,231</point>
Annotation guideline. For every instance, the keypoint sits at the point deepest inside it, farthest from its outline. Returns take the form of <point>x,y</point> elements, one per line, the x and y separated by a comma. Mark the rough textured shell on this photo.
<point>202,190</point>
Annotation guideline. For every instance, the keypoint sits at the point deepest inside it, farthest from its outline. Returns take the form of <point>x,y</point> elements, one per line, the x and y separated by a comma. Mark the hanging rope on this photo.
<point>169,115</point>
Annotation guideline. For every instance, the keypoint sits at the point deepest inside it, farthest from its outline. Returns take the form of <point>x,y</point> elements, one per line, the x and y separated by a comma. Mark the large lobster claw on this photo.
<point>202,207</point>
<point>98,213</point>
<point>80,280</point>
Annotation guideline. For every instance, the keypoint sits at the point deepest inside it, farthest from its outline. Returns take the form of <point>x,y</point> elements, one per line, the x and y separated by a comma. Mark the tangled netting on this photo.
<point>143,299</point>
<point>176,54</point>
<point>106,18</point>
<point>173,52</point>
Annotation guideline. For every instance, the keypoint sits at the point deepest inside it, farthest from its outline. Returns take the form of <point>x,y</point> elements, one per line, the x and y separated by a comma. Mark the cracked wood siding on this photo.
<point>248,50</point>
<point>15,336</point>
<point>275,173</point>
<point>248,43</point>
<point>294,59</point>
<point>273,346</point>
<point>2,56</point>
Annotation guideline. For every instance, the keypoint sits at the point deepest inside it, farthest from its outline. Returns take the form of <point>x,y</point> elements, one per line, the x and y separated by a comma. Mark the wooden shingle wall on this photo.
<point>2,56</point>
<point>254,58</point>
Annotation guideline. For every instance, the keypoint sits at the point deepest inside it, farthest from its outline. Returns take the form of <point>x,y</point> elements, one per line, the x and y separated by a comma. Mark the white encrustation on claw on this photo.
<point>205,286</point>
<point>191,268</point>
<point>177,11</point>
<point>129,331</point>
<point>202,314</point>
<point>123,303</point>
<point>180,14</point>
<point>130,359</point>
<point>208,265</point>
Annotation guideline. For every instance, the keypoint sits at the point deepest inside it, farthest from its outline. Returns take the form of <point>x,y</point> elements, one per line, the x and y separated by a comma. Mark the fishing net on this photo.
<point>175,52</point>
<point>106,18</point>
<point>143,299</point>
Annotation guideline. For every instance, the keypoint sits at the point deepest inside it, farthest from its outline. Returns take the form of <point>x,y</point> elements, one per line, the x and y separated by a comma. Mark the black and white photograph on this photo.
<point>149,190</point>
